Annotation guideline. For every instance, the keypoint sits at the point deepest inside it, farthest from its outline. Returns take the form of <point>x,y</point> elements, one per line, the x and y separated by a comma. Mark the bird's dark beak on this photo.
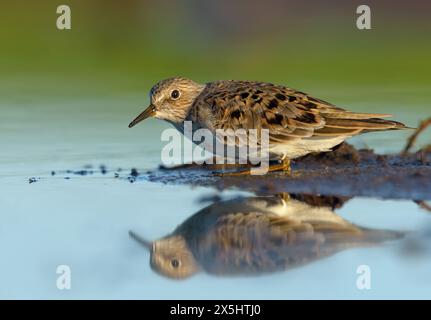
<point>145,243</point>
<point>149,112</point>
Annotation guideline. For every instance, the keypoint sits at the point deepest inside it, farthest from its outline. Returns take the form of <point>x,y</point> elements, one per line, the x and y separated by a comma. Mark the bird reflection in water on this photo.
<point>256,235</point>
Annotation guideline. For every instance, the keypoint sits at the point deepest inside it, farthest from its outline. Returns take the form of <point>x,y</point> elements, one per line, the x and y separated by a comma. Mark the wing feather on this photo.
<point>288,114</point>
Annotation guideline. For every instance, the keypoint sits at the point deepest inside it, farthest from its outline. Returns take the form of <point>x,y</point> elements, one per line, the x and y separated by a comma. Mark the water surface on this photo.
<point>83,222</point>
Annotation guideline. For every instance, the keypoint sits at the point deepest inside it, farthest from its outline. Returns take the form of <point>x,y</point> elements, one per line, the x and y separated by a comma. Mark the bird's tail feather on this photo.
<point>354,115</point>
<point>365,238</point>
<point>365,124</point>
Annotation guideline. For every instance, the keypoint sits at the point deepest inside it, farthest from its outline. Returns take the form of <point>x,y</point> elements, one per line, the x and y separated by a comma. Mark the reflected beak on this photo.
<point>145,243</point>
<point>149,112</point>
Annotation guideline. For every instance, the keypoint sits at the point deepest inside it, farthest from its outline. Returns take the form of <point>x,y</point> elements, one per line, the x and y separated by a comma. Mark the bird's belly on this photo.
<point>301,147</point>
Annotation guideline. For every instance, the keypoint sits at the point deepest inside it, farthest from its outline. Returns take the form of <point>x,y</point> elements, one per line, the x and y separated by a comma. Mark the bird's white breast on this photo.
<point>301,147</point>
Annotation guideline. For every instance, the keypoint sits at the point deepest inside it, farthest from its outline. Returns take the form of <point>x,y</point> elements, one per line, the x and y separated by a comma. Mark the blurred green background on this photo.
<point>124,47</point>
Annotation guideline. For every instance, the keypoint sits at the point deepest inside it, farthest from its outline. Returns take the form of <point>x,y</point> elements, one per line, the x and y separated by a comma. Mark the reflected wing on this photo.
<point>260,242</point>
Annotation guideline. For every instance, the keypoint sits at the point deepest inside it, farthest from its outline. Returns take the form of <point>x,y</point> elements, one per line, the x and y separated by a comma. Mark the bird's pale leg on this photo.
<point>284,196</point>
<point>284,166</point>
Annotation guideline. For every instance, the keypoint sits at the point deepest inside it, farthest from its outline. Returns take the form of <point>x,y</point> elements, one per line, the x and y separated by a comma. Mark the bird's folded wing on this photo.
<point>287,114</point>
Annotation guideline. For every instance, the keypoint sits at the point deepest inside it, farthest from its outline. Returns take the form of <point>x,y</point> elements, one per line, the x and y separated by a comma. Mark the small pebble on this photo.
<point>134,172</point>
<point>52,173</point>
<point>81,172</point>
<point>103,169</point>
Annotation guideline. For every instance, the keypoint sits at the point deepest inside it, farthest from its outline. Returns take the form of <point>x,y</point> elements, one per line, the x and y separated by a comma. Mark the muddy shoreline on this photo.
<point>343,172</point>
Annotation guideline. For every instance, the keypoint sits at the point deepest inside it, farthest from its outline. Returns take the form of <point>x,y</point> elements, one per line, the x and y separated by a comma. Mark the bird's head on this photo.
<point>171,100</point>
<point>172,258</point>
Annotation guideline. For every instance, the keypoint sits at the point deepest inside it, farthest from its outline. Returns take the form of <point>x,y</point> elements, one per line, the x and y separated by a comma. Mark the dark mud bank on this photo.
<point>343,172</point>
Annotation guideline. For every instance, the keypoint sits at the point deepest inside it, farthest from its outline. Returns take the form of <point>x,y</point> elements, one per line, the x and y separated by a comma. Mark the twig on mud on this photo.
<point>424,205</point>
<point>423,125</point>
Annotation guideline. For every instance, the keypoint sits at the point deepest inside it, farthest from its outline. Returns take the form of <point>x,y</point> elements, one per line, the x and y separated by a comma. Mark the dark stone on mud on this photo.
<point>341,154</point>
<point>134,172</point>
<point>81,172</point>
<point>32,180</point>
<point>52,173</point>
<point>103,169</point>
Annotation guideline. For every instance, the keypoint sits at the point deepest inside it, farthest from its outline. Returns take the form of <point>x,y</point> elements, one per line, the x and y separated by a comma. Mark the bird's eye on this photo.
<point>175,263</point>
<point>175,94</point>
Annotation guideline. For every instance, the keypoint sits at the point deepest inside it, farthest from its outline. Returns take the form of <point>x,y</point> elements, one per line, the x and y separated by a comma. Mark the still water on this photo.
<point>83,221</point>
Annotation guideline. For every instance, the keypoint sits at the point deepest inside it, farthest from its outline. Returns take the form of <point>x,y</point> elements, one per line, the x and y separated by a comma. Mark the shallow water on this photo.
<point>83,222</point>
